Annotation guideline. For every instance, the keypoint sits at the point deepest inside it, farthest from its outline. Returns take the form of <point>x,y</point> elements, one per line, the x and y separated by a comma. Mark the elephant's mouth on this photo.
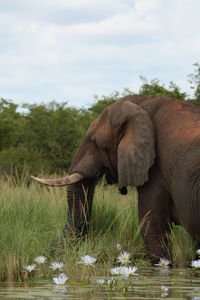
<point>111,178</point>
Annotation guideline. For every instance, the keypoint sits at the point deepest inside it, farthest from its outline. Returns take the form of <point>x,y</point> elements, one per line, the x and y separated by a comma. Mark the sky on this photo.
<point>71,50</point>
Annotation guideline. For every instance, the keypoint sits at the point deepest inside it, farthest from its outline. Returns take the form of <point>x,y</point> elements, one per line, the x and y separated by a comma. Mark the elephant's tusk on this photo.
<point>70,179</point>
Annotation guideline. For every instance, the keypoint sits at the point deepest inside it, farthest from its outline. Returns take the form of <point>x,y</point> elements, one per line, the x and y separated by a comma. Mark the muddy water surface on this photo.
<point>181,284</point>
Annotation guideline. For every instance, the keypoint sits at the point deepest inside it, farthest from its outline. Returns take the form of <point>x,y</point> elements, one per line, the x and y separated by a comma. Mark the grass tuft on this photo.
<point>182,247</point>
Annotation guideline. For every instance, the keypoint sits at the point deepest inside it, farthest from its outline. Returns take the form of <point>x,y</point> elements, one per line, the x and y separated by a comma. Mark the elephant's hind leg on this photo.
<point>154,204</point>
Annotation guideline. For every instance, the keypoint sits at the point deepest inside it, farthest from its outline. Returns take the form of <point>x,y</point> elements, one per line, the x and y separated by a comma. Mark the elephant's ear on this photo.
<point>135,151</point>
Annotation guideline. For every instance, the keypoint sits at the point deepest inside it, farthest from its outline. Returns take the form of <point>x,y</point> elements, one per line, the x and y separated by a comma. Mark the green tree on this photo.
<point>194,80</point>
<point>46,137</point>
<point>54,131</point>
<point>154,88</point>
<point>103,101</point>
<point>11,123</point>
<point>11,136</point>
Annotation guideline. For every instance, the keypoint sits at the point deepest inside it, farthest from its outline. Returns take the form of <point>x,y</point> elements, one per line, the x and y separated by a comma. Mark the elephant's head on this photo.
<point>119,144</point>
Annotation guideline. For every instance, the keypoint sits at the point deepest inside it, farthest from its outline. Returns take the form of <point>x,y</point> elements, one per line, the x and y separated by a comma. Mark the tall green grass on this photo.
<point>32,220</point>
<point>181,248</point>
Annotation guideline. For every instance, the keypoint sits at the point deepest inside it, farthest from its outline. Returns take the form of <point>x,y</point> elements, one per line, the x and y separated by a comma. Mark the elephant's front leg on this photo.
<point>154,210</point>
<point>80,197</point>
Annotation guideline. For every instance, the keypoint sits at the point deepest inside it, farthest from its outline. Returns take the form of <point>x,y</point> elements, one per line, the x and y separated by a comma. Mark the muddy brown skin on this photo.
<point>152,143</point>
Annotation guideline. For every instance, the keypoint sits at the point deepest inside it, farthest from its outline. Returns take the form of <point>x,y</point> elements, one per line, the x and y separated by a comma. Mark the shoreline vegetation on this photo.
<point>33,218</point>
<point>45,136</point>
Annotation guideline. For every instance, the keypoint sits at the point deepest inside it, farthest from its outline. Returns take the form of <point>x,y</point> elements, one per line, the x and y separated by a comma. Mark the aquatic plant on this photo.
<point>163,263</point>
<point>30,268</point>
<point>87,260</point>
<point>111,283</point>
<point>60,279</point>
<point>124,257</point>
<point>122,270</point>
<point>164,291</point>
<point>195,264</point>
<point>40,260</point>
<point>100,281</point>
<point>56,265</point>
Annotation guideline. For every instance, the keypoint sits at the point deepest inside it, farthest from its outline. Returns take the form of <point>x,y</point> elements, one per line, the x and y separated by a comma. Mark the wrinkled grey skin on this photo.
<point>152,143</point>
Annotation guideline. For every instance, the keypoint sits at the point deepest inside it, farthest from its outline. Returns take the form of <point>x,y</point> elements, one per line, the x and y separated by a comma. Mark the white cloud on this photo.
<point>75,49</point>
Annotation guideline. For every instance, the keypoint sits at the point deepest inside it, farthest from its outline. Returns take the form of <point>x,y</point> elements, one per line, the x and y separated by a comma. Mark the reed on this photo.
<point>182,246</point>
<point>32,220</point>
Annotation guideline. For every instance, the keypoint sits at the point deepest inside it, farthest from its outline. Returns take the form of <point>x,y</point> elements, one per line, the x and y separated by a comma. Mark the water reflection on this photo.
<point>180,284</point>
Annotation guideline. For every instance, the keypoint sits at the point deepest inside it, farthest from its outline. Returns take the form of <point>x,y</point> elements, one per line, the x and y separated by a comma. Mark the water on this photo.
<point>181,284</point>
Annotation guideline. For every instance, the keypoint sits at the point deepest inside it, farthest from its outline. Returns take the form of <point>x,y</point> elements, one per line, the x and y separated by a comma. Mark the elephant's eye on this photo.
<point>93,140</point>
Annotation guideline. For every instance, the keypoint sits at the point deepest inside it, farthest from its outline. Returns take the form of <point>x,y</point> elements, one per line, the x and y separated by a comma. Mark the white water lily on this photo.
<point>195,264</point>
<point>40,260</point>
<point>60,279</point>
<point>100,281</point>
<point>56,265</point>
<point>123,271</point>
<point>30,268</point>
<point>88,260</point>
<point>123,258</point>
<point>164,291</point>
<point>198,252</point>
<point>115,271</point>
<point>163,263</point>
<point>130,271</point>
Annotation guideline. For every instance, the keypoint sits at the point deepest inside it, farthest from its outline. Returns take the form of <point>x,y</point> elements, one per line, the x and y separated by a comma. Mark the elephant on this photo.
<point>151,143</point>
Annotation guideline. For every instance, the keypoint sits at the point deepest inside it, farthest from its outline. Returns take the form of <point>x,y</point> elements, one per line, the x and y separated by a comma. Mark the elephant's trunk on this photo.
<point>80,196</point>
